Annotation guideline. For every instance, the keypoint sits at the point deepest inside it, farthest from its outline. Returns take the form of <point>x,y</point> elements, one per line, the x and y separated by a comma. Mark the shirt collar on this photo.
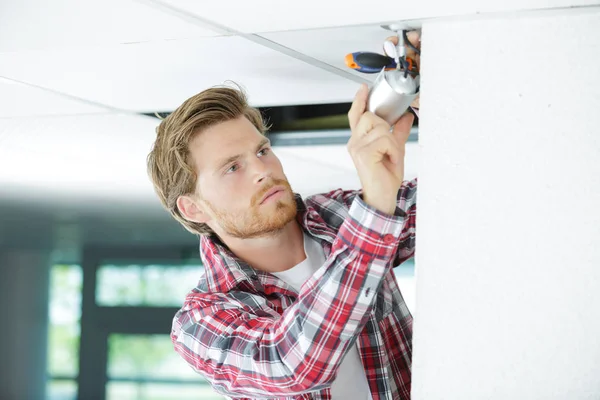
<point>224,271</point>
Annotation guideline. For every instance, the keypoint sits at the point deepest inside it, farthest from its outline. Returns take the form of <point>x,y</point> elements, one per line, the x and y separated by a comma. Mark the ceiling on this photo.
<point>76,79</point>
<point>79,79</point>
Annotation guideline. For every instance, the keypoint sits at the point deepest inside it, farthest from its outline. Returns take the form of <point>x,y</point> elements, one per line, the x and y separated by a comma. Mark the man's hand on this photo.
<point>377,153</point>
<point>414,37</point>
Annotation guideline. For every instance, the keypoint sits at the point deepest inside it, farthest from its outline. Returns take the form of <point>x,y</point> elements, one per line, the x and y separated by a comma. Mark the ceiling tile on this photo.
<point>330,45</point>
<point>103,157</point>
<point>158,76</point>
<point>18,100</point>
<point>40,24</point>
<point>99,154</point>
<point>276,15</point>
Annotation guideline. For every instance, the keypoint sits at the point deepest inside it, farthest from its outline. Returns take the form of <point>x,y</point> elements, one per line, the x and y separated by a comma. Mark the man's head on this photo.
<point>212,166</point>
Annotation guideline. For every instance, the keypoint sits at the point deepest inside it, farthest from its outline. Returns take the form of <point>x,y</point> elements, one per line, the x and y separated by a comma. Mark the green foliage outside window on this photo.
<point>142,367</point>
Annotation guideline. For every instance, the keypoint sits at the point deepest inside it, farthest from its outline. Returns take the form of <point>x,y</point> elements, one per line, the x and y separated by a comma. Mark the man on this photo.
<point>299,299</point>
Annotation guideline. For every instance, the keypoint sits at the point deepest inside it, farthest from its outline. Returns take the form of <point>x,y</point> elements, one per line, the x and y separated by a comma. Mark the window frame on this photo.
<point>98,322</point>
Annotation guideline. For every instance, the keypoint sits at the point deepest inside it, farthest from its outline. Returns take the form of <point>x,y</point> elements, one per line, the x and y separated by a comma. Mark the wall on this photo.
<point>508,259</point>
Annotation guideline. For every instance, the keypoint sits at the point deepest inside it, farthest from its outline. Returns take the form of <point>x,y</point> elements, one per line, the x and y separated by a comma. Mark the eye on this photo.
<point>232,169</point>
<point>263,152</point>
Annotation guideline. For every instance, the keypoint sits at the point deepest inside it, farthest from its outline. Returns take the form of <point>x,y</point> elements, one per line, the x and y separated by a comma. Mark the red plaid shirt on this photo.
<point>251,335</point>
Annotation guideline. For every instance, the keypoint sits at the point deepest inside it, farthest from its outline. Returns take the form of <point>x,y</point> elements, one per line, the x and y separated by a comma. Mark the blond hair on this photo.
<point>169,162</point>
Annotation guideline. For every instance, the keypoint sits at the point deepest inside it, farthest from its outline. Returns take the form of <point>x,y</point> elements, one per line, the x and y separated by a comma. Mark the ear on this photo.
<point>192,210</point>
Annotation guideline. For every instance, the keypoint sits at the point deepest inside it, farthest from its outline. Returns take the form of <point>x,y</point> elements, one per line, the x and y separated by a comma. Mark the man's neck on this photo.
<point>276,253</point>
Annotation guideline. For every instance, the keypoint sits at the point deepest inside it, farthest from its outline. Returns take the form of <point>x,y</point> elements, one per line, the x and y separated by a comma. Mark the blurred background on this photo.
<point>92,269</point>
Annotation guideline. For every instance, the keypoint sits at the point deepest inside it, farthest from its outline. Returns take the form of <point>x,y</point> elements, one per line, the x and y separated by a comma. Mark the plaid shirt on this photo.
<point>251,335</point>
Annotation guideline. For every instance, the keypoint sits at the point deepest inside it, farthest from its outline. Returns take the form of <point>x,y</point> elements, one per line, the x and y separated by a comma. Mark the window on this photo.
<point>140,365</point>
<point>158,391</point>
<point>145,357</point>
<point>145,285</point>
<point>145,367</point>
<point>405,276</point>
<point>63,332</point>
<point>57,389</point>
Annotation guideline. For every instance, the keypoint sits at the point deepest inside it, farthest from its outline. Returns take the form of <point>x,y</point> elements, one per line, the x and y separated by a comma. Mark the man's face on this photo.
<point>237,170</point>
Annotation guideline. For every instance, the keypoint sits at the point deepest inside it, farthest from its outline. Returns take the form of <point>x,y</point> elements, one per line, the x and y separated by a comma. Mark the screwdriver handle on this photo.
<point>368,62</point>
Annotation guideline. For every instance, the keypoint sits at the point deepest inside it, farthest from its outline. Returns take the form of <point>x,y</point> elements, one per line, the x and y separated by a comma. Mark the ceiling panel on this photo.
<point>338,43</point>
<point>47,24</point>
<point>276,15</point>
<point>18,100</point>
<point>103,157</point>
<point>160,75</point>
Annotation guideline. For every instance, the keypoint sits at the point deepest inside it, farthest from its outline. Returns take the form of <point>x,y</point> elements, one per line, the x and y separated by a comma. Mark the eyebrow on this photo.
<point>236,157</point>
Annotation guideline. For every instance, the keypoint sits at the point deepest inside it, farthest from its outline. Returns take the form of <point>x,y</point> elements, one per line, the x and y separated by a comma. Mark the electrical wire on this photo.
<point>409,44</point>
<point>404,64</point>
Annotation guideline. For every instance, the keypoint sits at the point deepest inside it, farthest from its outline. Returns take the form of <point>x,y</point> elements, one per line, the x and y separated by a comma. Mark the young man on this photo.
<point>299,299</point>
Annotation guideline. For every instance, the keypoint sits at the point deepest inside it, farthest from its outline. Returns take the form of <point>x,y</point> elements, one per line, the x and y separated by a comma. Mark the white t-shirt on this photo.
<point>351,381</point>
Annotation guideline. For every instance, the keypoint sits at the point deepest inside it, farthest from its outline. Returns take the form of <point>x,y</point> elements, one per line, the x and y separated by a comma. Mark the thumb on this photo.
<point>403,126</point>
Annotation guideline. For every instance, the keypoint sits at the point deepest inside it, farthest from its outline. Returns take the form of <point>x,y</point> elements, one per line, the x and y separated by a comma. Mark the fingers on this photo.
<point>402,127</point>
<point>393,39</point>
<point>414,37</point>
<point>382,146</point>
<point>367,122</point>
<point>377,142</point>
<point>416,103</point>
<point>358,106</point>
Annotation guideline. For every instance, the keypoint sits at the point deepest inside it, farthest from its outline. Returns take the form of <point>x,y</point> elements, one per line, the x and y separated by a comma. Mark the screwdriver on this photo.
<point>368,62</point>
<point>371,63</point>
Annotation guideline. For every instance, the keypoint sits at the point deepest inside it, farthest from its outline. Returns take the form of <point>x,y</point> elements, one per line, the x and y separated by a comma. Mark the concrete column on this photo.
<point>24,279</point>
<point>508,258</point>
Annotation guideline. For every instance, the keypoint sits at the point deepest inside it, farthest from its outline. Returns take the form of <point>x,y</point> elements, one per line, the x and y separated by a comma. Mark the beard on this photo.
<point>258,220</point>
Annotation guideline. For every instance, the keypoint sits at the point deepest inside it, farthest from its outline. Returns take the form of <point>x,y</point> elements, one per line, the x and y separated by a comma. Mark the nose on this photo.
<point>260,171</point>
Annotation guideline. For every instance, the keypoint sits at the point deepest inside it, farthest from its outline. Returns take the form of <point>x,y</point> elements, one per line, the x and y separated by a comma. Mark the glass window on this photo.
<point>61,390</point>
<point>405,276</point>
<point>147,357</point>
<point>159,391</point>
<point>145,285</point>
<point>137,362</point>
<point>64,321</point>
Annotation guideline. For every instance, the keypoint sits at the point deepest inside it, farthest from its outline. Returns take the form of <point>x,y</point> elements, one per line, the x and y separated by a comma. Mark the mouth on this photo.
<point>272,193</point>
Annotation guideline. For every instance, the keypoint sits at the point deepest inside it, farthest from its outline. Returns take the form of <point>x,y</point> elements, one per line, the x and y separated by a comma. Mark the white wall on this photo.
<point>508,259</point>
